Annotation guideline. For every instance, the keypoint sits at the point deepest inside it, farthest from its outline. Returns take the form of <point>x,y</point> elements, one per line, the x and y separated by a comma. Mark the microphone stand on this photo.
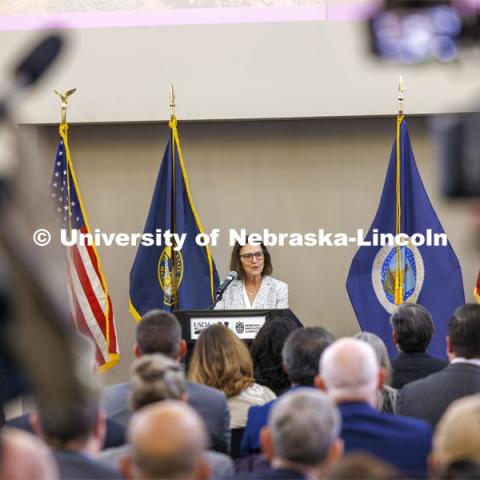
<point>218,297</point>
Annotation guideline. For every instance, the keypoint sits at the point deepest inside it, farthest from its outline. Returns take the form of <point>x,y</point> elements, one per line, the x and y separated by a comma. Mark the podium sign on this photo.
<point>244,323</point>
<point>245,328</point>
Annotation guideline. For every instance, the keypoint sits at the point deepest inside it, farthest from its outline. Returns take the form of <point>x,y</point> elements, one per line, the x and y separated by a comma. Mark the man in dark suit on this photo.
<point>301,354</point>
<point>302,436</point>
<point>412,332</point>
<point>351,376</point>
<point>160,332</point>
<point>75,436</point>
<point>429,397</point>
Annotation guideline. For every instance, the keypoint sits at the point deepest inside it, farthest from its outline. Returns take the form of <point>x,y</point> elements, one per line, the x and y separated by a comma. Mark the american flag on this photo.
<point>90,304</point>
<point>476,290</point>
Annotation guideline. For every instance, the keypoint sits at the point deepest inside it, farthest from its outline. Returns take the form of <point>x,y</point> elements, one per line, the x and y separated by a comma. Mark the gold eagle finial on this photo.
<point>64,99</point>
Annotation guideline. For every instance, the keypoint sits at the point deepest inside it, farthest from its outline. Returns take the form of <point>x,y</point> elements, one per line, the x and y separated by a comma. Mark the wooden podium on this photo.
<point>244,323</point>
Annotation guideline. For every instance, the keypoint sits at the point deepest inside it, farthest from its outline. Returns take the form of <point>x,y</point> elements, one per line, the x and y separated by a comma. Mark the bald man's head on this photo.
<point>25,456</point>
<point>168,440</point>
<point>349,370</point>
<point>456,435</point>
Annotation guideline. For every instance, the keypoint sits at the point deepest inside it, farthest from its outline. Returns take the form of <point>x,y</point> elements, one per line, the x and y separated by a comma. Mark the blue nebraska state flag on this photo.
<point>170,277</point>
<point>380,278</point>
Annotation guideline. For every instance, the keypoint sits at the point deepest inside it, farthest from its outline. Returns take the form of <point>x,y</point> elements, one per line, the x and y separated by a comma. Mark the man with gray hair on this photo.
<point>302,436</point>
<point>301,354</point>
<point>350,374</point>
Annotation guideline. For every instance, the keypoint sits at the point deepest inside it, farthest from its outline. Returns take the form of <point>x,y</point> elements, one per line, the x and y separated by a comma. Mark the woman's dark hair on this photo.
<point>266,351</point>
<point>236,263</point>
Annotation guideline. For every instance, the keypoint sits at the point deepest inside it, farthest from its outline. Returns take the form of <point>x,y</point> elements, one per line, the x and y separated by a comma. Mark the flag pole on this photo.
<point>173,122</point>
<point>63,133</point>
<point>399,273</point>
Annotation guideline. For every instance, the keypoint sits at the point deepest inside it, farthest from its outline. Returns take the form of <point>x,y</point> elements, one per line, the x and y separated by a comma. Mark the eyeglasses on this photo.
<point>248,257</point>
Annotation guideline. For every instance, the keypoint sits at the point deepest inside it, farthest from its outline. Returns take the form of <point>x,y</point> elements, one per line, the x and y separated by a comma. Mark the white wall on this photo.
<point>234,71</point>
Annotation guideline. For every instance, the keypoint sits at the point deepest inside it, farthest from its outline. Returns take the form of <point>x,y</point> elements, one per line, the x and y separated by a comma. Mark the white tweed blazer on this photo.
<point>272,294</point>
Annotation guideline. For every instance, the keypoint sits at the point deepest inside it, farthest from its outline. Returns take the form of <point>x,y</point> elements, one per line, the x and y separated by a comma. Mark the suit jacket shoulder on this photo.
<point>212,406</point>
<point>74,465</point>
<point>256,419</point>
<point>408,367</point>
<point>276,474</point>
<point>385,436</point>
<point>221,464</point>
<point>114,400</point>
<point>429,397</point>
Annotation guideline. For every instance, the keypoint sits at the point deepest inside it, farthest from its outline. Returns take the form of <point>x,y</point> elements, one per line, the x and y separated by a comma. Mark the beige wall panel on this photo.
<point>287,176</point>
<point>234,71</point>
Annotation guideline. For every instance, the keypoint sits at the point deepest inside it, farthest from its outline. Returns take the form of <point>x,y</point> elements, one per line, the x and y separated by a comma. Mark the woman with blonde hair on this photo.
<point>221,360</point>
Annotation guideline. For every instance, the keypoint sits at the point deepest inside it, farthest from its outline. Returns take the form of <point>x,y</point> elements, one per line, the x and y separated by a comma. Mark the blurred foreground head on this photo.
<point>361,465</point>
<point>25,456</point>
<point>457,436</point>
<point>168,441</point>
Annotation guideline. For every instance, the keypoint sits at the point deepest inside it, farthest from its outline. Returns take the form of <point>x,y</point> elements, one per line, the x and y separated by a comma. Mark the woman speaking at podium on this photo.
<point>254,288</point>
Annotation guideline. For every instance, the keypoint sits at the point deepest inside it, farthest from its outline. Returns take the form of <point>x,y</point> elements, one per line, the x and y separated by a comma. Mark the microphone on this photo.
<point>38,61</point>
<point>31,68</point>
<point>224,285</point>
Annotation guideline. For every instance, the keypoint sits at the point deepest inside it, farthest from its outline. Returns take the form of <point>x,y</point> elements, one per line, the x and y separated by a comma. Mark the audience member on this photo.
<point>221,360</point>
<point>362,466</point>
<point>266,351</point>
<point>301,354</point>
<point>459,470</point>
<point>115,434</point>
<point>157,378</point>
<point>429,397</point>
<point>350,374</point>
<point>457,436</point>
<point>86,364</point>
<point>160,332</point>
<point>302,436</point>
<point>23,456</point>
<point>75,436</point>
<point>386,396</point>
<point>412,332</point>
<point>178,452</point>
